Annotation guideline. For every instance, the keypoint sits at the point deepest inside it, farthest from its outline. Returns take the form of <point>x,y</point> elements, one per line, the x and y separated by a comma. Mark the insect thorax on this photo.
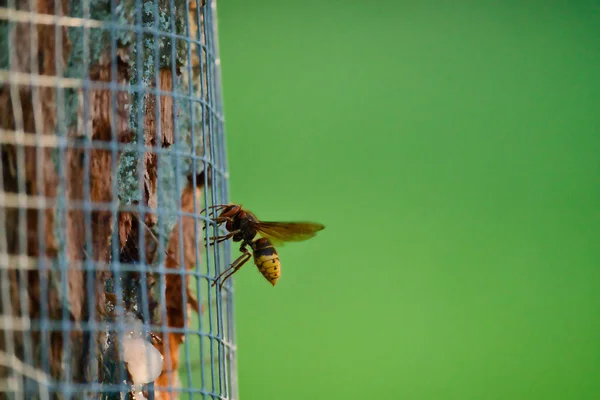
<point>247,230</point>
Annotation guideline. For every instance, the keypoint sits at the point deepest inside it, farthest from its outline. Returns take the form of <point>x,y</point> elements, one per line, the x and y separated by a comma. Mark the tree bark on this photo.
<point>55,146</point>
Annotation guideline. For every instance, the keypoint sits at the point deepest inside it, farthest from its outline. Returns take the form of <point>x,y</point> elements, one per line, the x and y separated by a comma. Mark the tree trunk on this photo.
<point>61,160</point>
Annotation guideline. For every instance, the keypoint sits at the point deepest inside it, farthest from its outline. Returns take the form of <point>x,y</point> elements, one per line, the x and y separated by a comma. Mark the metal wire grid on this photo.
<point>53,344</point>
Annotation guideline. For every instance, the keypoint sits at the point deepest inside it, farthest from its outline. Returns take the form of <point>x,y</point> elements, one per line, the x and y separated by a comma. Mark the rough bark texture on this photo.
<point>28,108</point>
<point>130,227</point>
<point>71,163</point>
<point>101,173</point>
<point>101,161</point>
<point>198,80</point>
<point>165,139</point>
<point>177,306</point>
<point>61,175</point>
<point>156,134</point>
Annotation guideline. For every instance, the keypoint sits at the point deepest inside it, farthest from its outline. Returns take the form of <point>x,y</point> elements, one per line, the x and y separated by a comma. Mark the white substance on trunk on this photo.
<point>140,396</point>
<point>144,362</point>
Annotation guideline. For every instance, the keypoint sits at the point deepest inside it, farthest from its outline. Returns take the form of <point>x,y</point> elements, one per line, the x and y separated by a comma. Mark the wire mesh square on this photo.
<point>111,143</point>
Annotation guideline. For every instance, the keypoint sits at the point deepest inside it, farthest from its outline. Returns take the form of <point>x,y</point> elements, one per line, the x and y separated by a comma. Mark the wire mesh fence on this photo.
<point>111,144</point>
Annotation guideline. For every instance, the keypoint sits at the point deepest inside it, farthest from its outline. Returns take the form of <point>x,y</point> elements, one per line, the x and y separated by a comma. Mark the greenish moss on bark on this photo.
<point>156,49</point>
<point>161,20</point>
<point>99,40</point>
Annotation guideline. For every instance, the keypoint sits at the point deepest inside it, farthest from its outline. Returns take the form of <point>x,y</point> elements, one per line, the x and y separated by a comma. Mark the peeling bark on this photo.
<point>156,134</point>
<point>178,307</point>
<point>165,139</point>
<point>101,161</point>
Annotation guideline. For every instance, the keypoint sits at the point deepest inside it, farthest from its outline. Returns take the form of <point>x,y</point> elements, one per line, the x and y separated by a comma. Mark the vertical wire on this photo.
<point>43,267</point>
<point>66,384</point>
<point>205,186</point>
<point>193,184</point>
<point>23,245</point>
<point>22,218</point>
<point>5,279</point>
<point>142,288</point>
<point>145,267</point>
<point>90,262</point>
<point>216,194</point>
<point>225,193</point>
<point>205,93</point>
<point>7,308</point>
<point>158,141</point>
<point>176,150</point>
<point>114,156</point>
<point>178,189</point>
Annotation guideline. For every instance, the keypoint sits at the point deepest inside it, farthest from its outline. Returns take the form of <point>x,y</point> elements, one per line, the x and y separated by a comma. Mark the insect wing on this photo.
<point>288,231</point>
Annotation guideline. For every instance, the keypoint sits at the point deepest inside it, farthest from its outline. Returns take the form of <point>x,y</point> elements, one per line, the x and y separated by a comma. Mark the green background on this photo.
<point>451,149</point>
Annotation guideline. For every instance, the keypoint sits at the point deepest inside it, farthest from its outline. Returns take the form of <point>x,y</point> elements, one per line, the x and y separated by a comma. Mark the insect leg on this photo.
<point>218,206</point>
<point>240,260</point>
<point>221,220</point>
<point>240,265</point>
<point>219,239</point>
<point>236,265</point>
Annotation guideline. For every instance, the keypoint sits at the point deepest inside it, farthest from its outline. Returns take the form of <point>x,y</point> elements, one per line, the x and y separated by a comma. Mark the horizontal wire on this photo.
<point>12,15</point>
<point>20,200</point>
<point>29,79</point>
<point>29,263</point>
<point>94,387</point>
<point>101,326</point>
<point>15,323</point>
<point>11,361</point>
<point>51,140</point>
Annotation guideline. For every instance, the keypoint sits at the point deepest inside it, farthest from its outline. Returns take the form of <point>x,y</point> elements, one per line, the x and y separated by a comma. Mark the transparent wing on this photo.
<point>288,231</point>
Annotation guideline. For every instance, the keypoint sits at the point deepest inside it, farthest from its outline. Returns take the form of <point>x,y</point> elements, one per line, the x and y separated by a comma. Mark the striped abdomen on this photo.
<point>266,260</point>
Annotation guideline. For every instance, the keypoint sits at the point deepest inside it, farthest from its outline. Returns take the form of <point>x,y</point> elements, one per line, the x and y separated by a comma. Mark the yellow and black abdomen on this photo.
<point>266,260</point>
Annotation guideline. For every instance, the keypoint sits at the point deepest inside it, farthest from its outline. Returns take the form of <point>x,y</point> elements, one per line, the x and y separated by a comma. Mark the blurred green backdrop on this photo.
<point>451,149</point>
